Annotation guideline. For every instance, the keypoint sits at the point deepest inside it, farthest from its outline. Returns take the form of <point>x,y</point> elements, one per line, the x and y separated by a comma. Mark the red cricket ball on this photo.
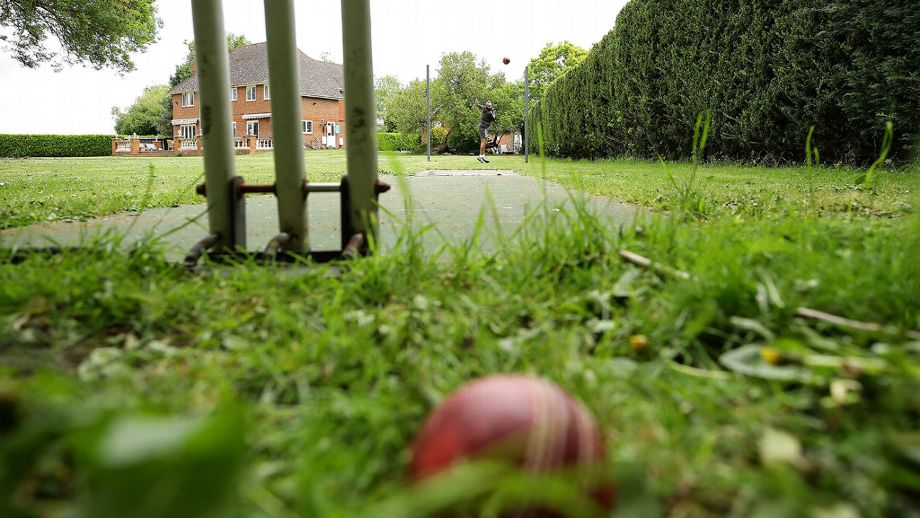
<point>506,60</point>
<point>528,421</point>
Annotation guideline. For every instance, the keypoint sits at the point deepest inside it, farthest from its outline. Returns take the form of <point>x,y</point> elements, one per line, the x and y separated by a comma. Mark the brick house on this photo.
<point>322,98</point>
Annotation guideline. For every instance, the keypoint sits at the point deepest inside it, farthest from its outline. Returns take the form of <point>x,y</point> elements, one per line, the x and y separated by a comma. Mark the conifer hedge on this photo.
<point>768,70</point>
<point>20,146</point>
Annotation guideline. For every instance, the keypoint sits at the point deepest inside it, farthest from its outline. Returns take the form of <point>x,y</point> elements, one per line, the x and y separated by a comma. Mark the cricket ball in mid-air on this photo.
<point>506,60</point>
<point>527,421</point>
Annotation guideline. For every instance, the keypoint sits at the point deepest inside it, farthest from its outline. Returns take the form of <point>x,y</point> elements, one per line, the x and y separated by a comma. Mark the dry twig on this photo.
<point>870,327</point>
<point>645,262</point>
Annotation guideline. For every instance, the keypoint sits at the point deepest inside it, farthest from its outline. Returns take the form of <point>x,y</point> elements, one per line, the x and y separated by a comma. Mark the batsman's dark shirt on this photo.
<point>488,117</point>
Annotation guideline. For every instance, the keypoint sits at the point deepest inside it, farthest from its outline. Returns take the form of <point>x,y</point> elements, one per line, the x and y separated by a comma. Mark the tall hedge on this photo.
<point>768,70</point>
<point>18,146</point>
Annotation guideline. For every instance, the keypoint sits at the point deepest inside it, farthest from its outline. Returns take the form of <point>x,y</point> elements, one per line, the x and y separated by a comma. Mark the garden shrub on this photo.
<point>438,139</point>
<point>16,146</point>
<point>397,141</point>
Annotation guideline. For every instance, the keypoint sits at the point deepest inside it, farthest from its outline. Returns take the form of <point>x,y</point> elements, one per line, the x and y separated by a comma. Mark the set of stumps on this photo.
<point>226,192</point>
<point>353,240</point>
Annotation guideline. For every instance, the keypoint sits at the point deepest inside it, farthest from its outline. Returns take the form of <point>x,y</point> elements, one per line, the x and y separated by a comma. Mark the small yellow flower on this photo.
<point>771,355</point>
<point>638,342</point>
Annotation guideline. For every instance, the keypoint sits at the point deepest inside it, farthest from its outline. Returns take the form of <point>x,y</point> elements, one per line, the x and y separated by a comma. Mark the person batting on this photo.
<point>488,117</point>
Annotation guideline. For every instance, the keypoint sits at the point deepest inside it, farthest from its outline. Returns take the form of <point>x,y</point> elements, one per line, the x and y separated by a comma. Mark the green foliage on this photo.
<point>460,81</point>
<point>553,62</point>
<point>398,141</point>
<point>385,88</point>
<point>768,71</point>
<point>128,457</point>
<point>102,33</point>
<point>438,137</point>
<point>19,146</point>
<point>145,116</point>
<point>508,99</point>
<point>406,109</point>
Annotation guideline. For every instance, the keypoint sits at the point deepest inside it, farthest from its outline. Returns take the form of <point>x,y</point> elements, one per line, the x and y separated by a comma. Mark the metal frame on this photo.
<point>226,192</point>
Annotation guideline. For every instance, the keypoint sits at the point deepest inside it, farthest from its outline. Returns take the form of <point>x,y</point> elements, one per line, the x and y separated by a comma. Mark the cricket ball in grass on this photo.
<point>527,421</point>
<point>506,60</point>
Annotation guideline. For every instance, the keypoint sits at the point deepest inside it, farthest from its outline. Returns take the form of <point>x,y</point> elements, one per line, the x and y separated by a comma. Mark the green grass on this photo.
<point>129,383</point>
<point>36,190</point>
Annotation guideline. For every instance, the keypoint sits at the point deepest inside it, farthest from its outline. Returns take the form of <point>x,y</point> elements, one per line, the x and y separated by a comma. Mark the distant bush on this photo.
<point>767,70</point>
<point>18,146</point>
<point>397,141</point>
<point>438,137</point>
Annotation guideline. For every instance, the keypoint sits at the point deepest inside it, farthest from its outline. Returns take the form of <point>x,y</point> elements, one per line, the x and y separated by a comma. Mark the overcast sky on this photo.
<point>407,35</point>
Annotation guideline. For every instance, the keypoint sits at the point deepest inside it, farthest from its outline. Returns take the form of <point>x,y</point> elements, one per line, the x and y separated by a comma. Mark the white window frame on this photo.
<point>187,131</point>
<point>250,98</point>
<point>233,93</point>
<point>266,92</point>
<point>250,125</point>
<point>233,127</point>
<point>307,127</point>
<point>185,102</point>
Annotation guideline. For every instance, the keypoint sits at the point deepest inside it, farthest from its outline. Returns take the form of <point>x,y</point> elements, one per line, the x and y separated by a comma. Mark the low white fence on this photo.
<point>264,143</point>
<point>123,146</point>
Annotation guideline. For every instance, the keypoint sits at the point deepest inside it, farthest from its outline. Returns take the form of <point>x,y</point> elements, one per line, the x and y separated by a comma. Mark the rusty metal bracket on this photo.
<point>191,259</point>
<point>244,188</point>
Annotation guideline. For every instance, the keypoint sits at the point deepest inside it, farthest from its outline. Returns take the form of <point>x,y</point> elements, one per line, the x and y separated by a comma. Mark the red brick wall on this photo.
<point>319,111</point>
<point>181,112</point>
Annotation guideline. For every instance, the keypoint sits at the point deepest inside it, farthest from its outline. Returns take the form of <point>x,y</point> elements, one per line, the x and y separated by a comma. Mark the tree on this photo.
<point>508,99</point>
<point>552,63</point>
<point>184,71</point>
<point>144,117</point>
<point>461,81</point>
<point>385,88</point>
<point>406,109</point>
<point>102,33</point>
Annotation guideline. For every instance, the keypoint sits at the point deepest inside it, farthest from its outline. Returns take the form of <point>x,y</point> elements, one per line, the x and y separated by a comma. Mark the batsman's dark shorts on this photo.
<point>484,133</point>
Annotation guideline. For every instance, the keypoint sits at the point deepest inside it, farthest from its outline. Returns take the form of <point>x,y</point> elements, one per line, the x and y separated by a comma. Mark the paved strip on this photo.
<point>452,201</point>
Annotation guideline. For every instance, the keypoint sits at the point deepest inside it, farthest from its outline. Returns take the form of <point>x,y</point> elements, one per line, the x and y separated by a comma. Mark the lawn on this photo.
<point>130,383</point>
<point>35,190</point>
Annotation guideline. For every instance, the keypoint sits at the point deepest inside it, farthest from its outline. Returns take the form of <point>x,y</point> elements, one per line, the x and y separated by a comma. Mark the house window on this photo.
<point>187,131</point>
<point>233,94</point>
<point>188,99</point>
<point>251,93</point>
<point>252,128</point>
<point>265,93</point>
<point>307,127</point>
<point>233,127</point>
